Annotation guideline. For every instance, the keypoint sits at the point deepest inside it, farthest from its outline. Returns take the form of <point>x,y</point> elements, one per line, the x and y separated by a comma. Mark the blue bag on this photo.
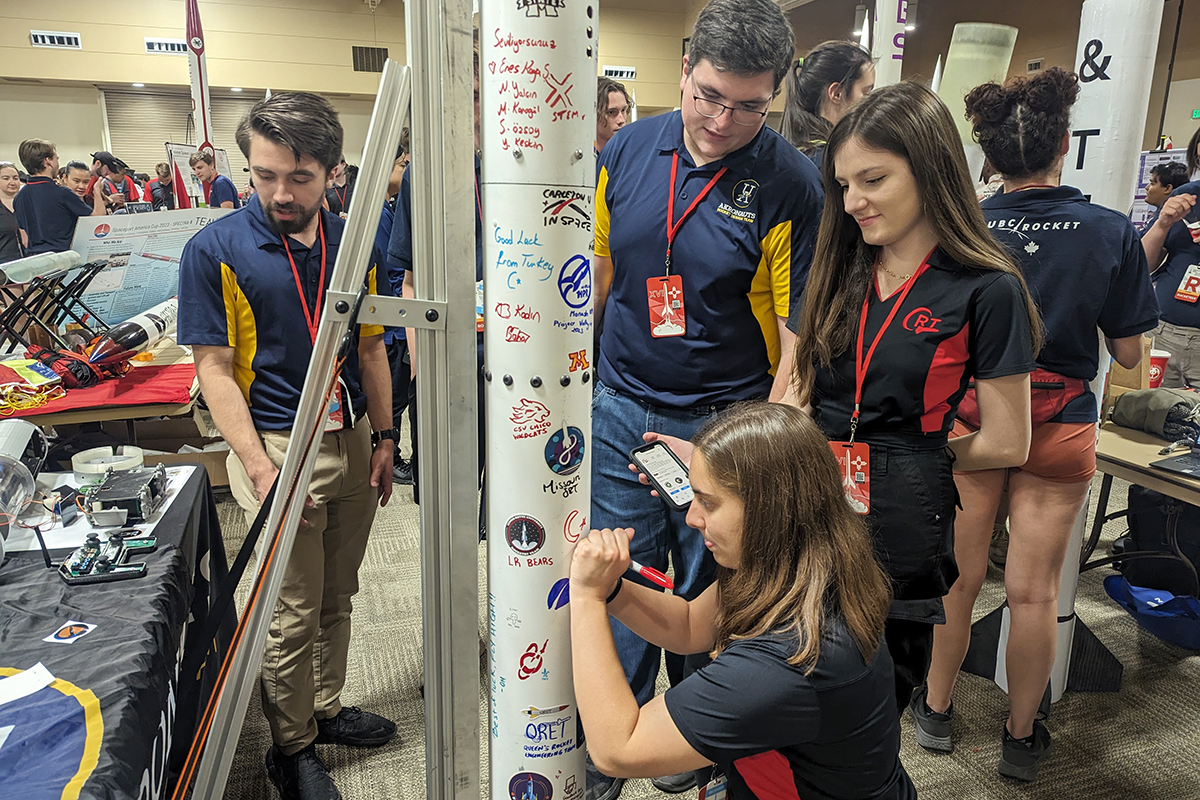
<point>1174,619</point>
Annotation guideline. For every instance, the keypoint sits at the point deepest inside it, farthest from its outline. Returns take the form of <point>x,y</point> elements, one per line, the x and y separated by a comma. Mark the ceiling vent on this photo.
<point>369,59</point>
<point>621,73</point>
<point>170,47</point>
<point>59,39</point>
<point>1033,65</point>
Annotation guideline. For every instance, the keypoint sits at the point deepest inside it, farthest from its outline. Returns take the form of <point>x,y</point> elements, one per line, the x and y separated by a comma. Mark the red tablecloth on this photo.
<point>151,384</point>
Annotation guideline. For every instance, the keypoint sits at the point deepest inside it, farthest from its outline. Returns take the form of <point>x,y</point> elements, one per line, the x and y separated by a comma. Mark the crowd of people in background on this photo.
<point>62,193</point>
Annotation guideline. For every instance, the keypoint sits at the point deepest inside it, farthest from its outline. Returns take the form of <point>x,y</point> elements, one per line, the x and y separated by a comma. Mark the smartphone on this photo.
<point>666,473</point>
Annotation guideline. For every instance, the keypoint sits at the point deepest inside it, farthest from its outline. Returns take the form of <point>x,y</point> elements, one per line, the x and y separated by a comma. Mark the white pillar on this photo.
<point>979,52</point>
<point>538,90</point>
<point>888,42</point>
<point>1118,42</point>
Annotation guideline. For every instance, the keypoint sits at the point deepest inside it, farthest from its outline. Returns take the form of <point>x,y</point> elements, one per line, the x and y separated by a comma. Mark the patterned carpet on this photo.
<point>1142,742</point>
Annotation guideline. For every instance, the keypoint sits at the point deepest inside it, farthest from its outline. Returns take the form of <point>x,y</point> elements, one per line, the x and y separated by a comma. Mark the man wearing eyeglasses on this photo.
<point>612,110</point>
<point>705,225</point>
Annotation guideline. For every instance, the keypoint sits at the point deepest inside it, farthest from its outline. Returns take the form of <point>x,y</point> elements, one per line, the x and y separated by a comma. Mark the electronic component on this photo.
<point>136,492</point>
<point>97,562</point>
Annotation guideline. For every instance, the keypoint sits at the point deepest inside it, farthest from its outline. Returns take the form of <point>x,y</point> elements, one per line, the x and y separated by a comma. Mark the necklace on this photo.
<point>883,267</point>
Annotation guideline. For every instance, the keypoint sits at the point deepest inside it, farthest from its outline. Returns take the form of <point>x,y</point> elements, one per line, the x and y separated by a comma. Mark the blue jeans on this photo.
<point>619,500</point>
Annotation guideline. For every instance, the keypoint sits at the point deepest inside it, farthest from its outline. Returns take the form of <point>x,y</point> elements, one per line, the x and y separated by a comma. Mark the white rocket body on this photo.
<point>538,90</point>
<point>136,334</point>
<point>888,46</point>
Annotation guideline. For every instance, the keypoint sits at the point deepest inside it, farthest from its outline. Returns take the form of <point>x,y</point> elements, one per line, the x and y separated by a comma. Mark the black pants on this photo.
<point>913,502</point>
<point>401,378</point>
<point>910,645</point>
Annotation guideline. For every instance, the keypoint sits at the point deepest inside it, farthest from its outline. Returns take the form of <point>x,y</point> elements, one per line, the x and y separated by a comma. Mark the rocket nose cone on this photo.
<point>106,352</point>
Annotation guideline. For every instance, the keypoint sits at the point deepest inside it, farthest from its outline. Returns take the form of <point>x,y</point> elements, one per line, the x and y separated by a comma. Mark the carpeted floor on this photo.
<point>1143,742</point>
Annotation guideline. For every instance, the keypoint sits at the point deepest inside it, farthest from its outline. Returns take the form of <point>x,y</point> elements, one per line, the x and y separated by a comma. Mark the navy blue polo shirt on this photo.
<point>236,289</point>
<point>1181,252</point>
<point>222,190</point>
<point>743,256</point>
<point>48,213</point>
<point>1085,268</point>
<point>399,248</point>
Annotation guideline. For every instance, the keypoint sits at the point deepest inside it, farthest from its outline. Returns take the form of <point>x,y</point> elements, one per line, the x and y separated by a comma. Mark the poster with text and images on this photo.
<point>1143,212</point>
<point>177,157</point>
<point>143,252</point>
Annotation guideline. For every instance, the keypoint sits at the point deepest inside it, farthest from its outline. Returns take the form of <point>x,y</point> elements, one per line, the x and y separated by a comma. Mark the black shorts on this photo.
<point>913,501</point>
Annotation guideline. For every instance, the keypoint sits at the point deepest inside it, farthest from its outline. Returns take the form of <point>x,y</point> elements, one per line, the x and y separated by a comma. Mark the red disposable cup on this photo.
<point>1158,367</point>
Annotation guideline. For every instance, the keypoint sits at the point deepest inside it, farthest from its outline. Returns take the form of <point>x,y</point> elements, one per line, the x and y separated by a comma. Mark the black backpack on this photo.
<point>1148,531</point>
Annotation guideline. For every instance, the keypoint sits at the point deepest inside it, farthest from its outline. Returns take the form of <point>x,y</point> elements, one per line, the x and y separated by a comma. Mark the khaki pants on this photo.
<point>304,664</point>
<point>1183,368</point>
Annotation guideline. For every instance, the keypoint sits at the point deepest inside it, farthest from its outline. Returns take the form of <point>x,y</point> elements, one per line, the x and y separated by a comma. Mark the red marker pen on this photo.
<point>652,575</point>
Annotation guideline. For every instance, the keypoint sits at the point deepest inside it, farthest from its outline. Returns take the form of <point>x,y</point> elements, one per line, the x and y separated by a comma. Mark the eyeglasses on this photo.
<point>713,110</point>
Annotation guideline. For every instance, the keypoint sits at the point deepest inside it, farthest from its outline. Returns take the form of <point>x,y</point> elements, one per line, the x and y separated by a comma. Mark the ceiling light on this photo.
<point>910,27</point>
<point>236,89</point>
<point>138,85</point>
<point>910,15</point>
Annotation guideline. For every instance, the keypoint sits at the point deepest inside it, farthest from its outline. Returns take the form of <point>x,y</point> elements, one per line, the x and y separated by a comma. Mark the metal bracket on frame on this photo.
<point>384,310</point>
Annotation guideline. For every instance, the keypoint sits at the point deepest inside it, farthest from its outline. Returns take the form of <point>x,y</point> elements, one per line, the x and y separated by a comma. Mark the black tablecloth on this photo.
<point>130,662</point>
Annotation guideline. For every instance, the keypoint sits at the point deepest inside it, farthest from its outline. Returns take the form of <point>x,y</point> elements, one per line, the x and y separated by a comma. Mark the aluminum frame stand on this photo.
<point>443,204</point>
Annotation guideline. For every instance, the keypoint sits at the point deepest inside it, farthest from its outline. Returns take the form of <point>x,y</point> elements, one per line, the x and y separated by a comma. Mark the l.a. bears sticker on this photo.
<point>71,632</point>
<point>524,534</point>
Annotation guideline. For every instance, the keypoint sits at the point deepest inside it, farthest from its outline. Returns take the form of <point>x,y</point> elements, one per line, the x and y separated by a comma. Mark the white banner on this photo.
<point>1118,42</point>
<point>888,47</point>
<point>143,252</point>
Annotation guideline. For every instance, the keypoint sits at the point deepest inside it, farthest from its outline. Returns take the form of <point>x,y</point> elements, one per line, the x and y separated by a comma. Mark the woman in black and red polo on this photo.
<point>909,296</point>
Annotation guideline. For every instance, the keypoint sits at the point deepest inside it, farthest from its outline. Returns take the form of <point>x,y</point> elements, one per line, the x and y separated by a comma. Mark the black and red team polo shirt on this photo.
<point>956,324</point>
<point>778,734</point>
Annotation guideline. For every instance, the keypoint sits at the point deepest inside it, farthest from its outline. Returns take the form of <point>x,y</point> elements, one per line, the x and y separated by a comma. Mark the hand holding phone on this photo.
<point>665,472</point>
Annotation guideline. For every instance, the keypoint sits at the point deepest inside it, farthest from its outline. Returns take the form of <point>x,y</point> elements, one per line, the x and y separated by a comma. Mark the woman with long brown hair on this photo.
<point>794,622</point>
<point>908,298</point>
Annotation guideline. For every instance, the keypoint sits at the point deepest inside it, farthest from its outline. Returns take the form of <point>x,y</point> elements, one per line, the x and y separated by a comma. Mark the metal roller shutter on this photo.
<point>140,123</point>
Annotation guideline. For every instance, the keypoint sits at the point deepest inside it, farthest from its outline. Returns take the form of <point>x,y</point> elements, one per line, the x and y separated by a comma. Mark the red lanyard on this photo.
<point>861,362</point>
<point>341,196</point>
<point>673,226</point>
<point>1033,186</point>
<point>311,318</point>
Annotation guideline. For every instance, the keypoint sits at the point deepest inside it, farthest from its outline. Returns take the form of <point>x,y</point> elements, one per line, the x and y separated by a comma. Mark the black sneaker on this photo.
<point>675,784</point>
<point>301,776</point>
<point>1020,757</point>
<point>599,785</point>
<point>932,728</point>
<point>402,472</point>
<point>355,728</point>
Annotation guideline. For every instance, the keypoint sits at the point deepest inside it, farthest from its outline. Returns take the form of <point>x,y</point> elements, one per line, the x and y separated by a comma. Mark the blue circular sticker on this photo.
<point>564,451</point>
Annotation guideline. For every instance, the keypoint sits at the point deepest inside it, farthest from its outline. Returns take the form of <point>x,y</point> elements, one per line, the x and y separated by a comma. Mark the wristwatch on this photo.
<point>379,436</point>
